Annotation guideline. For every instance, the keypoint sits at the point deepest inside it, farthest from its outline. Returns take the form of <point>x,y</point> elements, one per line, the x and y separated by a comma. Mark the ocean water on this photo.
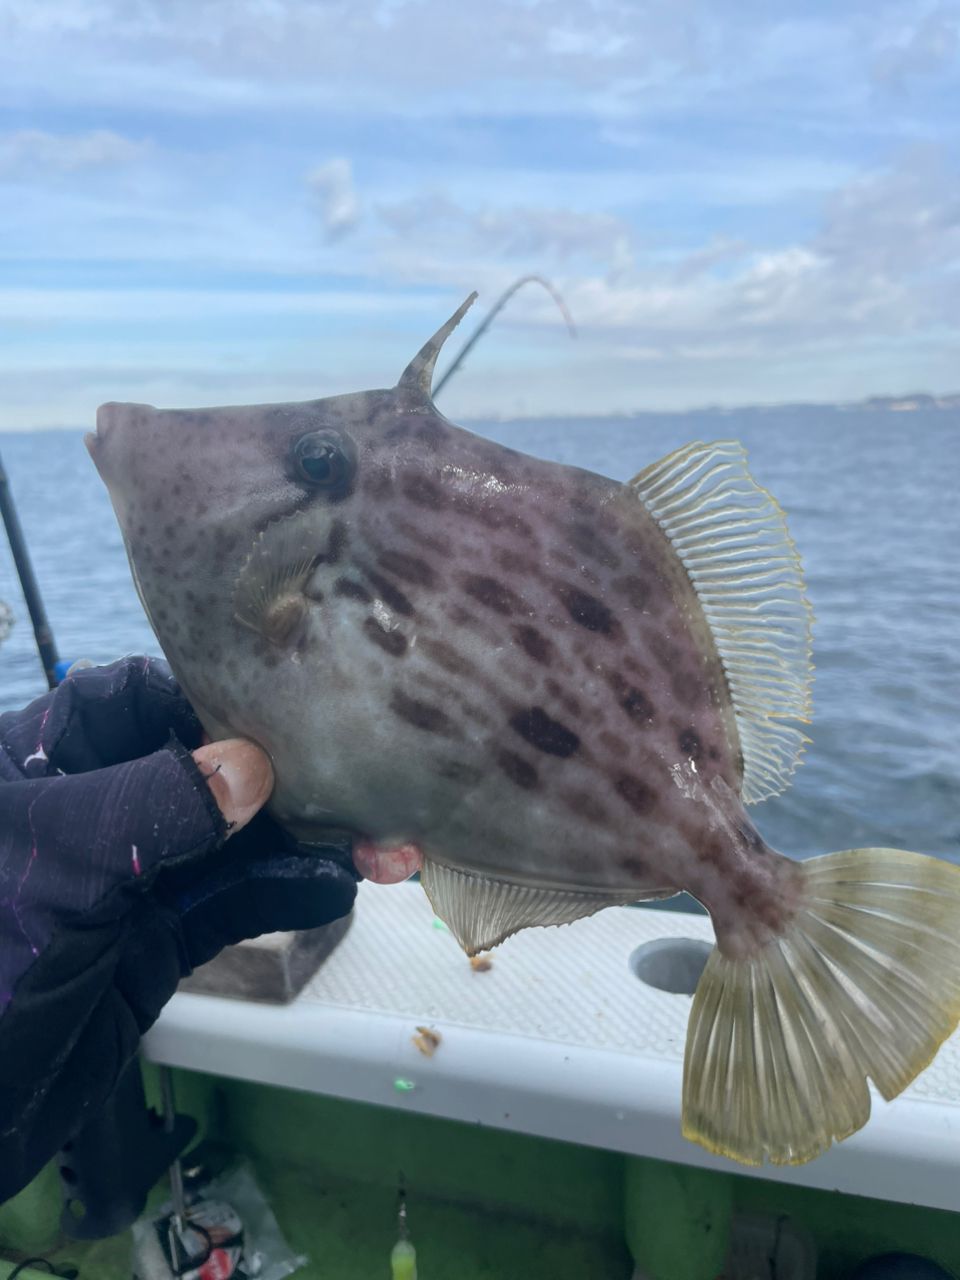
<point>871,499</point>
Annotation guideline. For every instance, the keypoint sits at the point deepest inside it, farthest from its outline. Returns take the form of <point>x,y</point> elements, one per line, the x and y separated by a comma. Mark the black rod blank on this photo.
<point>46,647</point>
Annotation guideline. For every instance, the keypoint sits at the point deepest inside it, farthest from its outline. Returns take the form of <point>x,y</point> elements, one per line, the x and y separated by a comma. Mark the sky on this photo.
<point>235,201</point>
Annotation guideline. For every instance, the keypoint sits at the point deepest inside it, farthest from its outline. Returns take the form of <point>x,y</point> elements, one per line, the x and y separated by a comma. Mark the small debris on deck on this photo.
<point>481,964</point>
<point>427,1041</point>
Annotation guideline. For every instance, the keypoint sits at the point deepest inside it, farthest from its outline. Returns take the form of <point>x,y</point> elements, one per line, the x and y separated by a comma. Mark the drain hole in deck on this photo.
<point>671,964</point>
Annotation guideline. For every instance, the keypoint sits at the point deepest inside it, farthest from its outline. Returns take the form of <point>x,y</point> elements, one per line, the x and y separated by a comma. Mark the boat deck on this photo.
<point>558,1038</point>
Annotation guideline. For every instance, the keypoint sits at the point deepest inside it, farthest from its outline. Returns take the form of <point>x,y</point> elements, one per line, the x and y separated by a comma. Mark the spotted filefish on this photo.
<point>562,692</point>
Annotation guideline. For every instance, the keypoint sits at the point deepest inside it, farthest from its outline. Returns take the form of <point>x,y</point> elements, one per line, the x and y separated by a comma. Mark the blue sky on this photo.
<point>222,201</point>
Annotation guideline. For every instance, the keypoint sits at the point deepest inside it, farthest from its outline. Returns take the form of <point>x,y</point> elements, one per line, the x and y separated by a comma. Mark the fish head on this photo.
<point>195,490</point>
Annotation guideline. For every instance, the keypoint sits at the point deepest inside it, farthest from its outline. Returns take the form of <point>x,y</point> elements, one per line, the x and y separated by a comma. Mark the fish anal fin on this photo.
<point>482,911</point>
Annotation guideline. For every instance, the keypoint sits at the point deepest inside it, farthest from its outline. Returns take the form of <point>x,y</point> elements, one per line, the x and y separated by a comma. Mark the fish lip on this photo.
<point>110,417</point>
<point>94,440</point>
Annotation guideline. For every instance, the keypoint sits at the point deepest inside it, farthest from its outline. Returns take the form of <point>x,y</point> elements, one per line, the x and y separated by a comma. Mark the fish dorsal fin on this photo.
<point>418,375</point>
<point>731,536</point>
<point>481,911</point>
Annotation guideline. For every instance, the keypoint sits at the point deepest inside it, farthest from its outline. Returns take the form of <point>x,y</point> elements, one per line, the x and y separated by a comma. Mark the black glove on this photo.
<point>115,882</point>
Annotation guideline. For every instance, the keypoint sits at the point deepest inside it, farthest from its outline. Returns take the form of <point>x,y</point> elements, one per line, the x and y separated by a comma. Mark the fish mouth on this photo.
<point>110,418</point>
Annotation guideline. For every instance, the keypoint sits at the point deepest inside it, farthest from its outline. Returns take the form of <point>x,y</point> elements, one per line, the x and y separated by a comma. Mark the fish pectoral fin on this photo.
<point>864,983</point>
<point>481,911</point>
<point>269,592</point>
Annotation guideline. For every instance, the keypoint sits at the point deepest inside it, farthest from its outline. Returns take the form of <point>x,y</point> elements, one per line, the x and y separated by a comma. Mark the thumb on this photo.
<point>240,777</point>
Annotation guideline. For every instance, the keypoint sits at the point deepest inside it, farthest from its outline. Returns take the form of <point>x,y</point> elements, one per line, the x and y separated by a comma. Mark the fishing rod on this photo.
<point>46,646</point>
<point>492,315</point>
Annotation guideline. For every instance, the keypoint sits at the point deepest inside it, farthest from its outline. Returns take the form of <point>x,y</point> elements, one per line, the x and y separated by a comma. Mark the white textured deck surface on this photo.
<point>558,1038</point>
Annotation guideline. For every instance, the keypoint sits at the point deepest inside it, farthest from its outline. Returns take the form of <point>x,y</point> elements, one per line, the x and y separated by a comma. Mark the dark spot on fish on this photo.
<point>422,715</point>
<point>664,650</point>
<point>712,852</point>
<point>586,610</point>
<point>633,866</point>
<point>410,568</point>
<point>637,794</point>
<point>271,660</point>
<point>445,655</point>
<point>631,699</point>
<point>563,558</point>
<point>351,590</point>
<point>544,733</point>
<point>752,894</point>
<point>336,541</point>
<point>614,743</point>
<point>690,744</point>
<point>496,517</point>
<point>201,508</point>
<point>494,459</point>
<point>563,696</point>
<point>588,542</point>
<point>584,805</point>
<point>491,593</point>
<point>413,531</point>
<point>378,481</point>
<point>635,590</point>
<point>634,667</point>
<point>459,771</point>
<point>389,594</point>
<point>713,753</point>
<point>534,644</point>
<point>431,433</point>
<point>518,770</point>
<point>425,492</point>
<point>686,688</point>
<point>462,617</point>
<point>399,431</point>
<point>514,562</point>
<point>392,642</point>
<point>750,835</point>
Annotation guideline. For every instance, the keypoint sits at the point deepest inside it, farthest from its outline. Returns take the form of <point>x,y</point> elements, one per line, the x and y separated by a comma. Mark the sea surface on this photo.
<point>872,499</point>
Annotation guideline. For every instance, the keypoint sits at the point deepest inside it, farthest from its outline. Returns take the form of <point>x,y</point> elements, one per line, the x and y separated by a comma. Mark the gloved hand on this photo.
<point>117,879</point>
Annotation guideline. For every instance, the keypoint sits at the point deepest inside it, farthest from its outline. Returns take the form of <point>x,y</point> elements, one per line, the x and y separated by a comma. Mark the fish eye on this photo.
<point>326,459</point>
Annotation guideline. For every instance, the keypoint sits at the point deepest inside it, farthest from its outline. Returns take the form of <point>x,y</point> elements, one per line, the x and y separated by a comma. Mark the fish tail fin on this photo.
<point>864,982</point>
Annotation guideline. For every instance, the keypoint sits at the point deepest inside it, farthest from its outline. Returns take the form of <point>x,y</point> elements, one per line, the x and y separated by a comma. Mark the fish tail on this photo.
<point>864,982</point>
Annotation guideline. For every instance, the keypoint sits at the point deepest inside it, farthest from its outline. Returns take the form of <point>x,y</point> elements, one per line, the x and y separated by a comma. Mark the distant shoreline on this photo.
<point>915,402</point>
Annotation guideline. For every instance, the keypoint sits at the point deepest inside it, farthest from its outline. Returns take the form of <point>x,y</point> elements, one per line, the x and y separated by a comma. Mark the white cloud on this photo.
<point>928,46</point>
<point>336,196</point>
<point>507,231</point>
<point>883,263</point>
<point>34,152</point>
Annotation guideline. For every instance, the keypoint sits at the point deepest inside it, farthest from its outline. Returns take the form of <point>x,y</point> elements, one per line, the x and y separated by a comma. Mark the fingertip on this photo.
<point>240,776</point>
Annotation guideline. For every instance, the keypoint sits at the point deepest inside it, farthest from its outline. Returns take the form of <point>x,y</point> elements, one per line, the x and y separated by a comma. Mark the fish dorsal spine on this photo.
<point>731,537</point>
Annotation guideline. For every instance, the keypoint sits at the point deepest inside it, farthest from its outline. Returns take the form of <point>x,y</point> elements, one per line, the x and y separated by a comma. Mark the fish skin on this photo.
<point>501,659</point>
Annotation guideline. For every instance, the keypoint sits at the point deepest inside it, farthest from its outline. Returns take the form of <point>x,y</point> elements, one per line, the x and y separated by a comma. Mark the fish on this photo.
<point>559,693</point>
